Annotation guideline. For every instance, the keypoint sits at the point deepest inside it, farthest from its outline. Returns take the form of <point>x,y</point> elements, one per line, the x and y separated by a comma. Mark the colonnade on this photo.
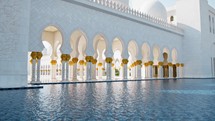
<point>91,69</point>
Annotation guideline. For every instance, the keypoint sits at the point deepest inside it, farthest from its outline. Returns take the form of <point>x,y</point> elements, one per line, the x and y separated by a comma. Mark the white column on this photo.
<point>139,72</point>
<point>53,72</point>
<point>63,71</point>
<point>160,71</point>
<point>108,71</point>
<point>100,72</point>
<point>38,71</point>
<point>75,72</point>
<point>113,72</point>
<point>33,77</point>
<point>181,71</point>
<point>93,72</point>
<point>89,71</point>
<point>70,72</point>
<point>150,71</point>
<point>67,70</point>
<point>170,72</point>
<point>125,74</point>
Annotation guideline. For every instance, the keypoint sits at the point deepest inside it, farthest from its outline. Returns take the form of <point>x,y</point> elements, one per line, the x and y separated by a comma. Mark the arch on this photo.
<point>99,44</point>
<point>117,44</point>
<point>53,36</point>
<point>133,48</point>
<point>156,54</point>
<point>78,42</point>
<point>166,50</point>
<point>146,52</point>
<point>174,55</point>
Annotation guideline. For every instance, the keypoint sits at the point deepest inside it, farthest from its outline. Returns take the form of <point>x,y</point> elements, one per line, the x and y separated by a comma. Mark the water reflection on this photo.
<point>135,100</point>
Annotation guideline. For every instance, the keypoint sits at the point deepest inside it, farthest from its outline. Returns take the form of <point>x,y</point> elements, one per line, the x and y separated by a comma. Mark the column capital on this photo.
<point>94,61</point>
<point>39,55</point>
<point>89,58</point>
<point>75,60</point>
<point>138,62</point>
<point>125,61</point>
<point>34,55</point>
<point>53,62</point>
<point>81,62</point>
<point>108,60</point>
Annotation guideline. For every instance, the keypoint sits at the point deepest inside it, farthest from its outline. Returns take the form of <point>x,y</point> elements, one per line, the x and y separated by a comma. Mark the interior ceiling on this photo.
<point>51,29</point>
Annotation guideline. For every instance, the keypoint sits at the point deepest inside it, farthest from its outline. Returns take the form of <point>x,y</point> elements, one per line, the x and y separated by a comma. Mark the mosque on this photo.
<point>46,41</point>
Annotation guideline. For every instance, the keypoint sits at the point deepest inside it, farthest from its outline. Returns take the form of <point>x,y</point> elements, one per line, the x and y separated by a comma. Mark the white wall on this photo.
<point>69,17</point>
<point>14,30</point>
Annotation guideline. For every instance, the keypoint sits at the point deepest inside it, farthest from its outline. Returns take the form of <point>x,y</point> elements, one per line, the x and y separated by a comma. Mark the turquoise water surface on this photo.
<point>161,100</point>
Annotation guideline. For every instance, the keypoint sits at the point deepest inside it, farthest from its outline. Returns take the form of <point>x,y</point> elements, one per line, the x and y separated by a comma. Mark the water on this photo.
<point>177,100</point>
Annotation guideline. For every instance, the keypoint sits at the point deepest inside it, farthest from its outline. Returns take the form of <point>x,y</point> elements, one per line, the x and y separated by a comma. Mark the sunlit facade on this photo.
<point>91,40</point>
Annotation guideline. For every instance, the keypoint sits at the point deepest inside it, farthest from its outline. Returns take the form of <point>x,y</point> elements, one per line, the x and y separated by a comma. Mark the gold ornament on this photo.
<point>81,62</point>
<point>150,63</point>
<point>34,55</point>
<point>39,55</point>
<point>75,60</point>
<point>125,61</point>
<point>71,63</point>
<point>94,61</point>
<point>112,65</point>
<point>63,57</point>
<point>67,57</point>
<point>53,62</point>
<point>170,64</point>
<point>160,63</point>
<point>182,65</point>
<point>89,58</point>
<point>99,64</point>
<point>177,64</point>
<point>138,62</point>
<point>146,64</point>
<point>108,60</point>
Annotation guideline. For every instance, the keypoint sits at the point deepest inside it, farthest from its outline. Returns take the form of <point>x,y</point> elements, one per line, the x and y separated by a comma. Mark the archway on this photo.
<point>146,57</point>
<point>174,63</point>
<point>117,48</point>
<point>100,47</point>
<point>156,55</point>
<point>78,43</point>
<point>47,66</point>
<point>132,50</point>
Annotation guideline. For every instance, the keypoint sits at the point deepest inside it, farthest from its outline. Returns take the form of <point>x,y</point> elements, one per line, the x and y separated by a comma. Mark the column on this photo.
<point>33,76</point>
<point>109,60</point>
<point>75,60</point>
<point>67,66</point>
<point>112,71</point>
<point>89,60</point>
<point>178,70</point>
<point>63,60</point>
<point>39,56</point>
<point>81,63</point>
<point>181,70</point>
<point>146,70</point>
<point>160,69</point>
<point>70,70</point>
<point>125,67</point>
<point>53,70</point>
<point>139,63</point>
<point>150,69</point>
<point>170,70</point>
<point>100,70</point>
<point>93,72</point>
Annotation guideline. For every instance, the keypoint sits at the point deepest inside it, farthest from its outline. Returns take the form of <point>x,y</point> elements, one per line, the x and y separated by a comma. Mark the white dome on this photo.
<point>152,7</point>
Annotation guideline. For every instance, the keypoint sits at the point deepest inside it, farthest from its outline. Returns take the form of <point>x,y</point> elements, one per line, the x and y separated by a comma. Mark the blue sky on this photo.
<point>168,3</point>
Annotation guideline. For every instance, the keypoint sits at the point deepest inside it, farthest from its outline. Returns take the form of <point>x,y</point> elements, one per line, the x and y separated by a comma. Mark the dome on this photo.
<point>152,7</point>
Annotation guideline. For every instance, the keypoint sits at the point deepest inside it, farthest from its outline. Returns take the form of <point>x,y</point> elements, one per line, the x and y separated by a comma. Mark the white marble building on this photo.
<point>82,40</point>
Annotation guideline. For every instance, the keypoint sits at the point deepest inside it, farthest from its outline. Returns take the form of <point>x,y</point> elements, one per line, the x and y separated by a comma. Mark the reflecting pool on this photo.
<point>162,100</point>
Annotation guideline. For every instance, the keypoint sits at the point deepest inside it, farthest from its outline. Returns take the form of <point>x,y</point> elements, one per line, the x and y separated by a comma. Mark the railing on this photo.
<point>125,9</point>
